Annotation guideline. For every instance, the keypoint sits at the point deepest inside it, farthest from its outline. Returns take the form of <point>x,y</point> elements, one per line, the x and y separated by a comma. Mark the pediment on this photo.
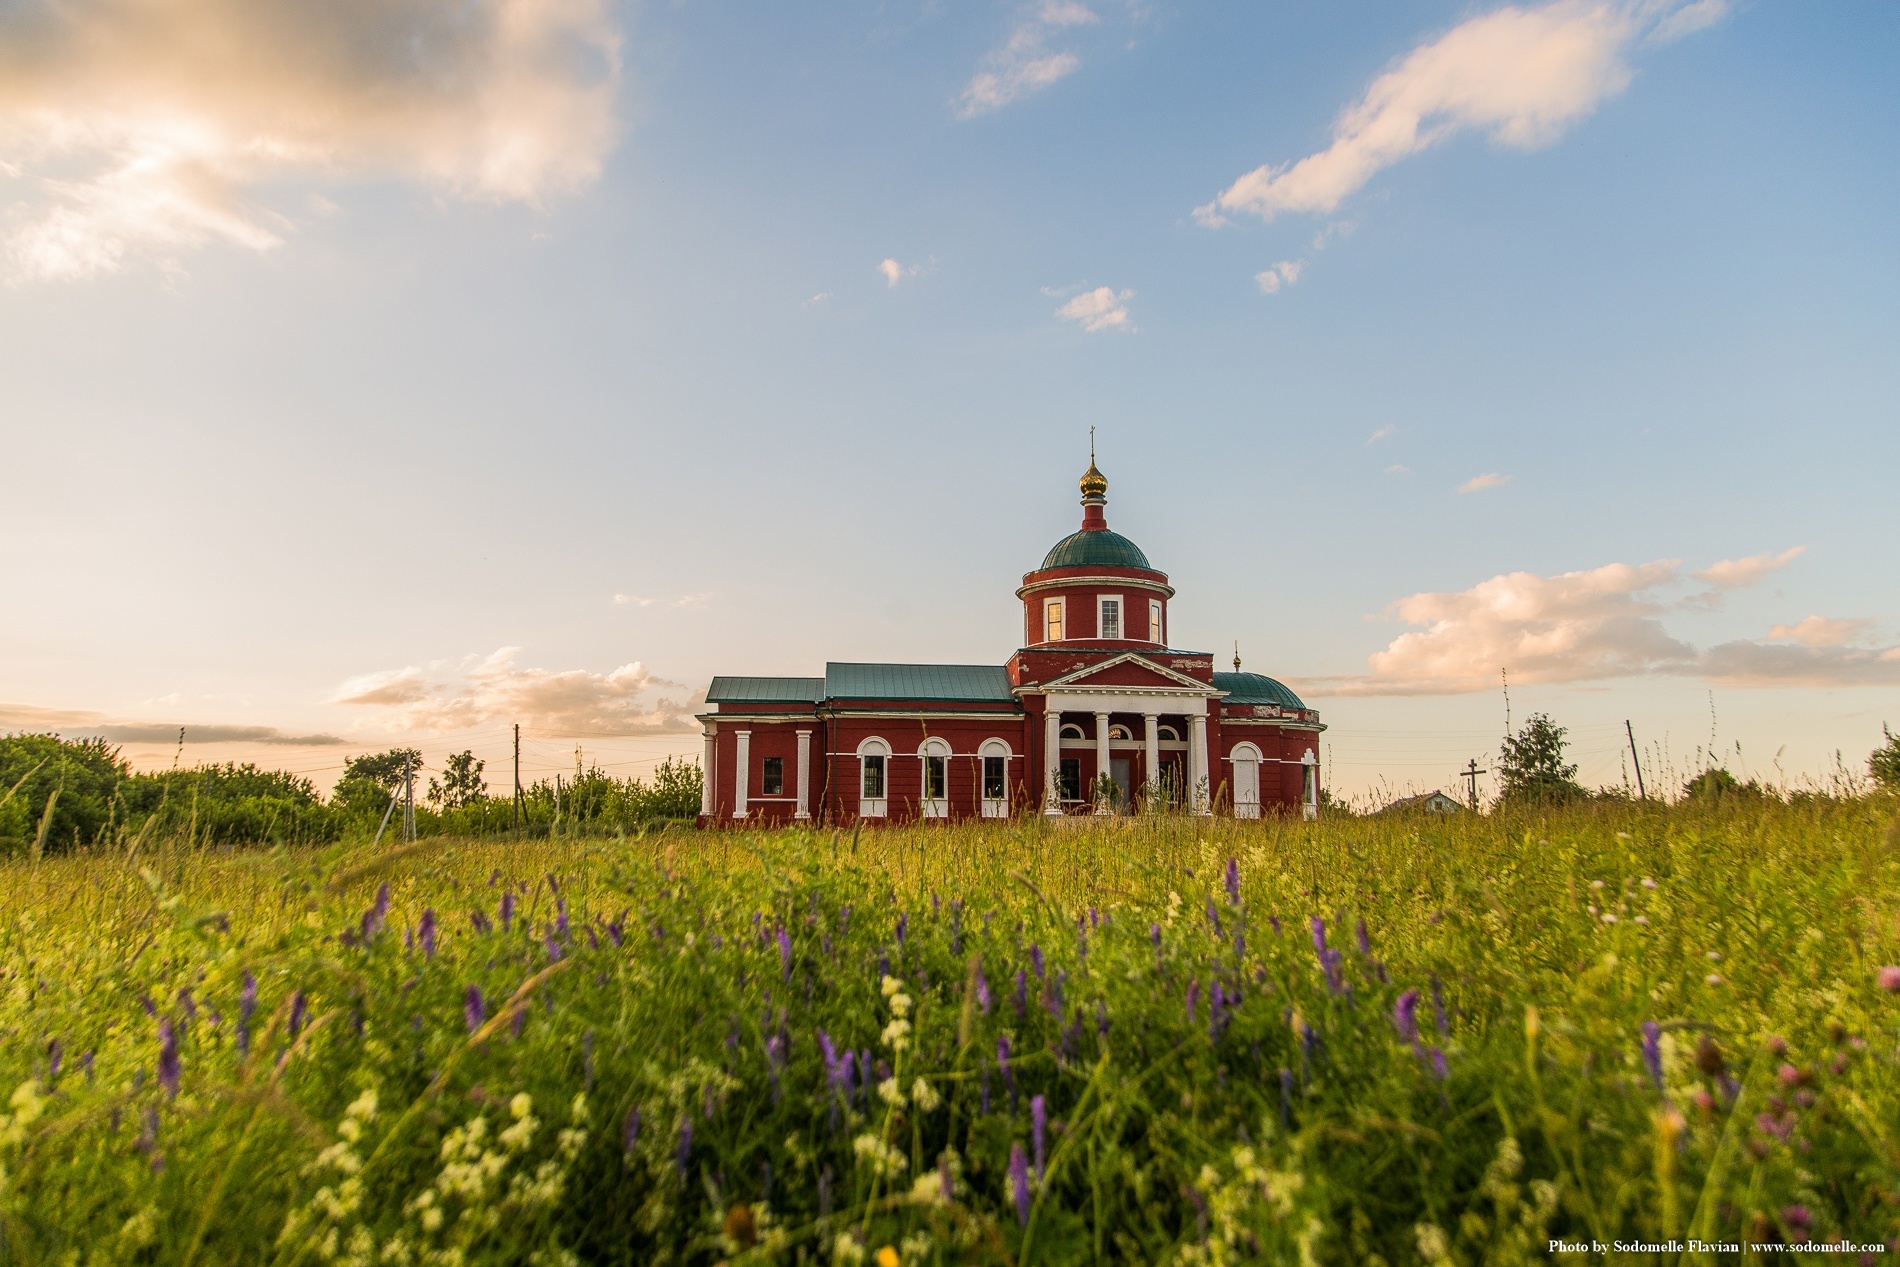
<point>1127,672</point>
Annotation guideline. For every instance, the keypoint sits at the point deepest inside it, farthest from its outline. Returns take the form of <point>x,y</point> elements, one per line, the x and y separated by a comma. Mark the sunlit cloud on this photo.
<point>1025,63</point>
<point>1520,75</point>
<point>147,129</point>
<point>625,701</point>
<point>85,724</point>
<point>1744,572</point>
<point>682,600</point>
<point>1382,433</point>
<point>1478,483</point>
<point>1103,308</point>
<point>893,272</point>
<point>1591,626</point>
<point>1285,273</point>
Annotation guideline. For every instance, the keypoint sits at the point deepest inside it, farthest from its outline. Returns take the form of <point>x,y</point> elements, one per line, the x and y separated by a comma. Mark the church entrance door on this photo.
<point>1122,771</point>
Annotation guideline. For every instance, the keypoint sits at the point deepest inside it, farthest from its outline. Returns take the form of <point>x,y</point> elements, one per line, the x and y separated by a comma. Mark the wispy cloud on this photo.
<point>1595,625</point>
<point>682,600</point>
<point>1398,469</point>
<point>1390,429</point>
<point>1745,572</point>
<point>1285,273</point>
<point>893,272</point>
<point>1478,483</point>
<point>80,723</point>
<point>1521,75</point>
<point>148,130</point>
<point>1025,63</point>
<point>624,701</point>
<point>1103,308</point>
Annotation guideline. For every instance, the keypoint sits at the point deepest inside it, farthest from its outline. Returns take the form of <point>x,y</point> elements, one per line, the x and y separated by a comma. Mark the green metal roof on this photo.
<point>766,690</point>
<point>983,683</point>
<point>1255,688</point>
<point>1099,548</point>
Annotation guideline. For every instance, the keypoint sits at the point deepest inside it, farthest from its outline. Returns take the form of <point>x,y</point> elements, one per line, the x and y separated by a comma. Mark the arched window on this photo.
<point>935,755</point>
<point>874,760</point>
<point>1072,731</point>
<point>1246,759</point>
<point>1119,732</point>
<point>1168,733</point>
<point>993,763</point>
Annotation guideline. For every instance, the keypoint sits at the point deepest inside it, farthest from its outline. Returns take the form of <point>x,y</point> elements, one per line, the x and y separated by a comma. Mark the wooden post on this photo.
<point>1631,732</point>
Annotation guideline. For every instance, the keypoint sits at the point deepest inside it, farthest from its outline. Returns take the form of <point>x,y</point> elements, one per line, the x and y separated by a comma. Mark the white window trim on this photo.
<point>933,806</point>
<point>1245,806</point>
<point>1121,616</point>
<point>1061,607</point>
<point>1156,634</point>
<point>874,807</point>
<point>994,807</point>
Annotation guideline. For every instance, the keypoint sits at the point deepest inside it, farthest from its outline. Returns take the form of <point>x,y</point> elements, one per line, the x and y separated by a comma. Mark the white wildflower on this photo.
<point>924,1096</point>
<point>890,985</point>
<point>891,1093</point>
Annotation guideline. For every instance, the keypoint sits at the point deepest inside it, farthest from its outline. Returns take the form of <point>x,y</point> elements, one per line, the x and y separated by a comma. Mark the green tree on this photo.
<point>86,774</point>
<point>1532,768</point>
<point>383,768</point>
<point>1884,763</point>
<point>461,783</point>
<point>677,788</point>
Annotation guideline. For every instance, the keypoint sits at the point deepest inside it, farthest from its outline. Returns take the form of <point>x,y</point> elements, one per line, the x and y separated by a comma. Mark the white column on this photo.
<point>804,775</point>
<point>1309,787</point>
<point>1152,772</point>
<point>706,775</point>
<point>1101,763</point>
<point>1200,784</point>
<point>741,770</point>
<point>1052,759</point>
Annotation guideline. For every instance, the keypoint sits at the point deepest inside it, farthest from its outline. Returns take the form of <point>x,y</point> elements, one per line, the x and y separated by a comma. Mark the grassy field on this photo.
<point>1357,1041</point>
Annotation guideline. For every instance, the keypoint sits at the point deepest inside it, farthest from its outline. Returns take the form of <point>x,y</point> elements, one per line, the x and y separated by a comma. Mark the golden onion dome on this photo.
<point>1094,483</point>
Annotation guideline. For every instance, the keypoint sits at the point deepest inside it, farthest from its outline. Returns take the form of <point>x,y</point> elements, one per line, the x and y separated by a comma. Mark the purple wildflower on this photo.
<point>1275,921</point>
<point>1233,881</point>
<point>1441,1067</point>
<point>299,1009</point>
<point>785,952</point>
<point>630,1130</point>
<point>1240,945</point>
<point>616,931</point>
<point>1101,1019</point>
<point>167,1057</point>
<point>479,922</point>
<point>903,926</point>
<point>1888,978</point>
<point>474,1008</point>
<point>684,1152</point>
<point>151,1008</point>
<point>1796,1219</point>
<point>507,912</point>
<point>865,1075</point>
<point>982,993</point>
<point>377,915</point>
<point>1365,942</point>
<point>1009,1073</point>
<point>247,1003</point>
<point>1154,935</point>
<point>1652,1052</point>
<point>520,1021</point>
<point>1319,937</point>
<point>425,933</point>
<point>1019,1183</point>
<point>1052,998</point>
<point>1216,1004</point>
<point>1022,992</point>
<point>1405,1016</point>
<point>188,1003</point>
<point>1193,997</point>
<point>55,1052</point>
<point>1038,1130</point>
<point>1213,917</point>
<point>1035,960</point>
<point>560,916</point>
<point>554,947</point>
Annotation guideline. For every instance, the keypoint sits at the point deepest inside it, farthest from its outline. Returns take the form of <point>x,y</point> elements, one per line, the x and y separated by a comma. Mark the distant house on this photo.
<point>1432,802</point>
<point>1096,695</point>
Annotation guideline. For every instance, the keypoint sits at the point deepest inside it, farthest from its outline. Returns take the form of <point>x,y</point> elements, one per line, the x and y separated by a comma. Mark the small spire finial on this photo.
<point>1091,446</point>
<point>1236,655</point>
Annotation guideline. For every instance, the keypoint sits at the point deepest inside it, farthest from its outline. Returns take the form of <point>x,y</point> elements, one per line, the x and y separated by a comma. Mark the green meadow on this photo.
<point>1162,1040</point>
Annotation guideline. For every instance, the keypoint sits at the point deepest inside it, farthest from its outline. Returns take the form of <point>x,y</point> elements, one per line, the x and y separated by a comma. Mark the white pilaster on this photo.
<point>1052,761</point>
<point>741,771</point>
<point>1309,787</point>
<point>1152,766</point>
<point>804,775</point>
<point>1198,780</point>
<point>706,785</point>
<point>1101,763</point>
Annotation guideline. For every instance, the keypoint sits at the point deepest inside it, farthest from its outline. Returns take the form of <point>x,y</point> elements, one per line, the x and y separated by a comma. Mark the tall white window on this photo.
<point>1155,633</point>
<point>995,757</point>
<point>874,757</point>
<point>1052,619</point>
<point>936,760</point>
<point>1110,625</point>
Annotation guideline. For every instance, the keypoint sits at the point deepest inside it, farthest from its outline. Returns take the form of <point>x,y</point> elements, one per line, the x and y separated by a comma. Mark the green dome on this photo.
<point>1097,549</point>
<point>1255,688</point>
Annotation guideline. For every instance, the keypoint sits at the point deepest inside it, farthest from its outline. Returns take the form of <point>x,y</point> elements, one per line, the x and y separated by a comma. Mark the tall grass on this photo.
<point>1167,1040</point>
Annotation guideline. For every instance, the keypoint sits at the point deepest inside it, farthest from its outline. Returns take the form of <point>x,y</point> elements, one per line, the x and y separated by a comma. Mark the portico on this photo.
<point>1091,719</point>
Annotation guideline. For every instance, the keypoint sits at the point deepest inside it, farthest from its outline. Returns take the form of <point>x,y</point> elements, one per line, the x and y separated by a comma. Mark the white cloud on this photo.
<point>1103,308</point>
<point>683,600</point>
<point>893,272</point>
<point>1285,273</point>
<point>85,724</point>
<point>817,299</point>
<point>1742,573</point>
<point>1390,429</point>
<point>622,702</point>
<point>1025,64</point>
<point>1590,626</point>
<point>150,129</point>
<point>1398,469</point>
<point>1819,631</point>
<point>1478,483</point>
<point>1522,75</point>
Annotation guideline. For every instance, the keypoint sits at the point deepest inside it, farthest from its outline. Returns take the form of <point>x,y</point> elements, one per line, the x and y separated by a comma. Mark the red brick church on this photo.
<point>1096,714</point>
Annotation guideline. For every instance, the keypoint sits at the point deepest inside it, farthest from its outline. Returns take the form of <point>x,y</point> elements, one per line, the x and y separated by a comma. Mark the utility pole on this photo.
<point>1630,731</point>
<point>408,799</point>
<point>1470,773</point>
<point>517,778</point>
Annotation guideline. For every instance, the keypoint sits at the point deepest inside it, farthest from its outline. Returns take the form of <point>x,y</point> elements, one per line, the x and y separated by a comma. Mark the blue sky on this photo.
<point>716,338</point>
